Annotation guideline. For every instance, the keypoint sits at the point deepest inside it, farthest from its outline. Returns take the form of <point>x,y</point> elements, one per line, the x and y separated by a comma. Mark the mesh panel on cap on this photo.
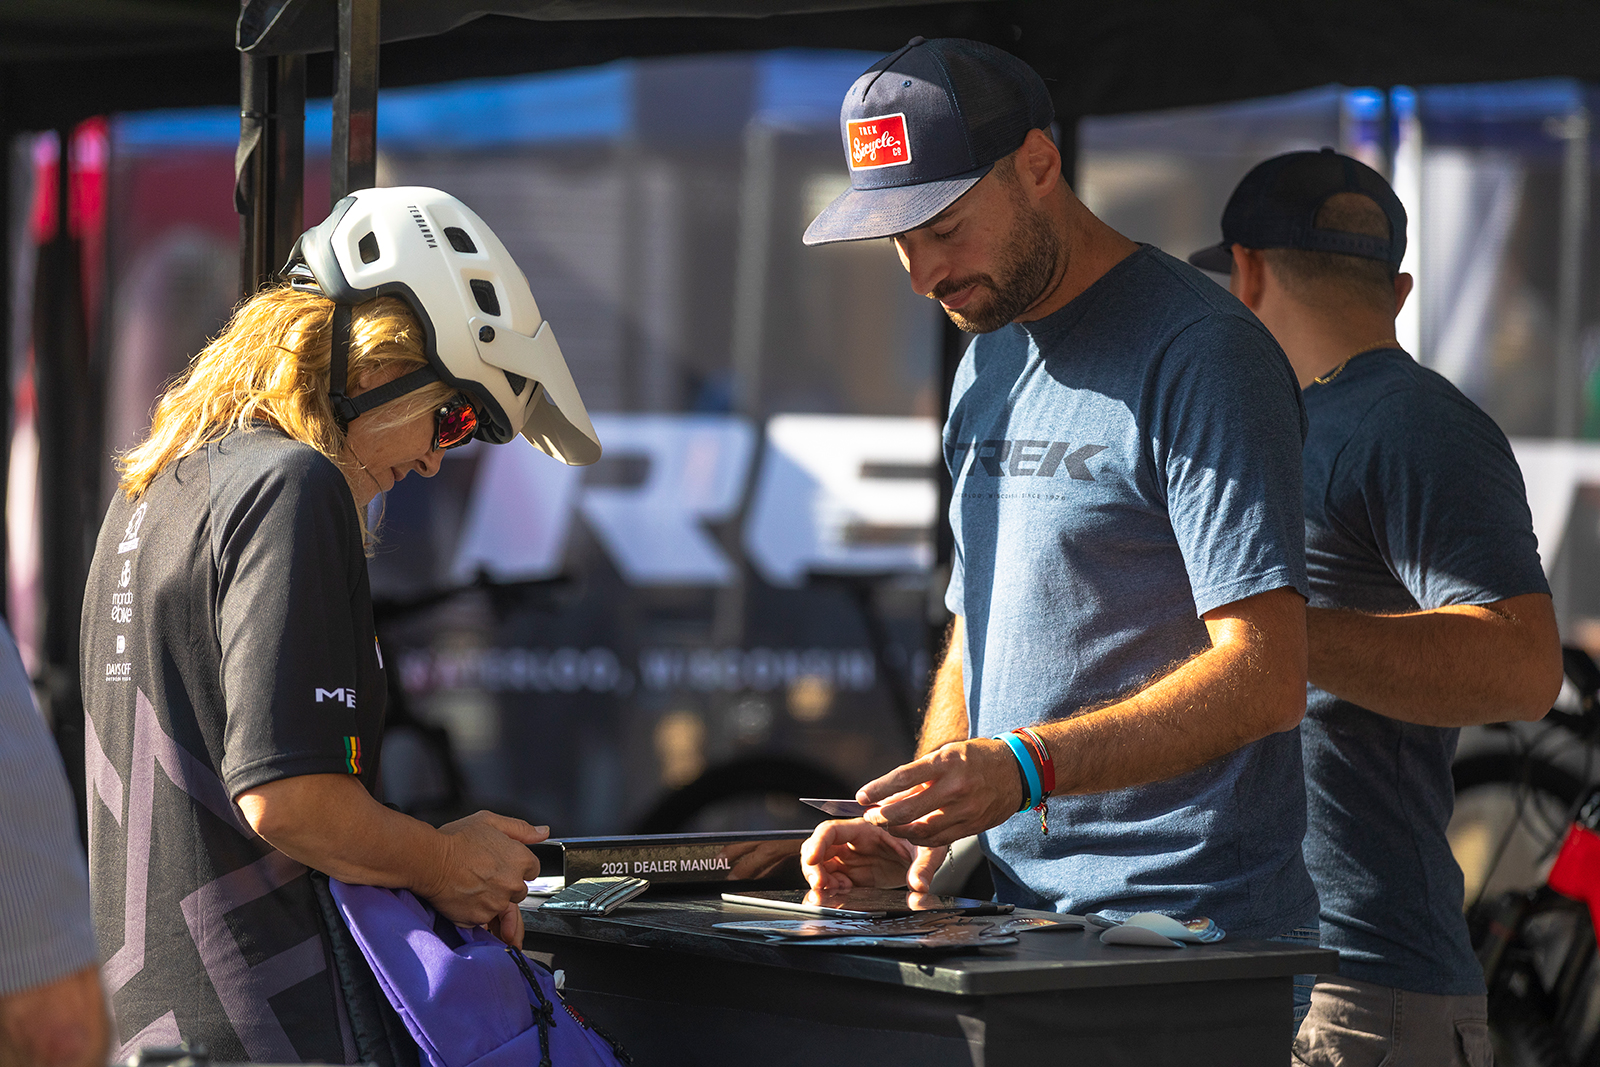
<point>998,112</point>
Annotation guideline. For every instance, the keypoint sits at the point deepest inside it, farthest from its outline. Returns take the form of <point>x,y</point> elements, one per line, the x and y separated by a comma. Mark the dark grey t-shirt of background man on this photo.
<point>1413,501</point>
<point>1122,467</point>
<point>228,642</point>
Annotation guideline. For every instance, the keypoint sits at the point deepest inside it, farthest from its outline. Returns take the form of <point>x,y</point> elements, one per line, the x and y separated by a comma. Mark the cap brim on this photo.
<point>1218,258</point>
<point>862,214</point>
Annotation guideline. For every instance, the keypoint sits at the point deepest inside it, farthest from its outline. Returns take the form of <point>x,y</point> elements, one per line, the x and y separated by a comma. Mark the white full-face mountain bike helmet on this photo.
<point>482,329</point>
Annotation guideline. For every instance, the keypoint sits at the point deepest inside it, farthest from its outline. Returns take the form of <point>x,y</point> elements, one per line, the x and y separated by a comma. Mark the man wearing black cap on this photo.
<point>1429,610</point>
<point>1129,573</point>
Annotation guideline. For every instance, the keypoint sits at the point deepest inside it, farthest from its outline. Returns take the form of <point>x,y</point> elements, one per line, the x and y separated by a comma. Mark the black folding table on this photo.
<point>656,976</point>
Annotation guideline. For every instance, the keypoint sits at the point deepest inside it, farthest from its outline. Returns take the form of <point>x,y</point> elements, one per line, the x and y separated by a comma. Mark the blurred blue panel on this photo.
<point>804,88</point>
<point>591,104</point>
<point>1501,101</point>
<point>1364,105</point>
<point>1231,130</point>
<point>577,105</point>
<point>1504,115</point>
<point>200,127</point>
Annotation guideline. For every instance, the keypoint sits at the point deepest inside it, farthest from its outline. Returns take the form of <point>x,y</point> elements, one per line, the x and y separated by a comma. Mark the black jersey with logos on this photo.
<point>227,642</point>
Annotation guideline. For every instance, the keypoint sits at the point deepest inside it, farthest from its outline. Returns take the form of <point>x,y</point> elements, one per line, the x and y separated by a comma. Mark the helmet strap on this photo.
<point>338,368</point>
<point>347,408</point>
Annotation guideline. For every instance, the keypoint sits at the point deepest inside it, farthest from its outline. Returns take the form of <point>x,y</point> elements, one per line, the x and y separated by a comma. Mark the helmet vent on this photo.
<point>483,293</point>
<point>368,247</point>
<point>422,224</point>
<point>518,383</point>
<point>458,239</point>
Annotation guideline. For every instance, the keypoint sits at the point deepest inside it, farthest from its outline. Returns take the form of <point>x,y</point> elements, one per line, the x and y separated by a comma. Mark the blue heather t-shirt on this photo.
<point>1121,467</point>
<point>1413,501</point>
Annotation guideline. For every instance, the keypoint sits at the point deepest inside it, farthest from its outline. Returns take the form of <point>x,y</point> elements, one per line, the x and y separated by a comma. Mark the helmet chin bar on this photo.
<point>347,408</point>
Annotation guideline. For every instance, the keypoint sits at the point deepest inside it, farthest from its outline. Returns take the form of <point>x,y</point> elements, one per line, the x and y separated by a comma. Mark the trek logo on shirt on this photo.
<point>347,697</point>
<point>1021,458</point>
<point>878,142</point>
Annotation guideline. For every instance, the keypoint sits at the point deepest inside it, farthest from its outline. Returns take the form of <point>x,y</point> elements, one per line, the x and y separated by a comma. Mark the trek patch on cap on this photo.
<point>878,142</point>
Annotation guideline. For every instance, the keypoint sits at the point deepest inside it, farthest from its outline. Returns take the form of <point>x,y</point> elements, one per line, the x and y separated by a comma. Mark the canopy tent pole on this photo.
<point>270,165</point>
<point>355,99</point>
<point>1574,130</point>
<point>60,350</point>
<point>289,172</point>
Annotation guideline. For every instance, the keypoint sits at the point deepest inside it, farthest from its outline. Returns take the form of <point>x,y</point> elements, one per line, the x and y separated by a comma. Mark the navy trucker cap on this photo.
<point>1276,205</point>
<point>922,127</point>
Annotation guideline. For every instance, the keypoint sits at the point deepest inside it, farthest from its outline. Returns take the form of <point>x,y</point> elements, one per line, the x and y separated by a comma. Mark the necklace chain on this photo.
<point>1387,342</point>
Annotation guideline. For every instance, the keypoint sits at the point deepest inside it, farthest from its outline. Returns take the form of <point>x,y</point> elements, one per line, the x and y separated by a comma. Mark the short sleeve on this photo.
<point>1227,438</point>
<point>1431,484</point>
<point>954,456</point>
<point>955,592</point>
<point>45,928</point>
<point>288,548</point>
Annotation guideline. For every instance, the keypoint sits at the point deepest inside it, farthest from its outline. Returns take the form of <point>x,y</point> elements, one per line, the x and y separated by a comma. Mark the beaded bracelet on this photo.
<point>1047,774</point>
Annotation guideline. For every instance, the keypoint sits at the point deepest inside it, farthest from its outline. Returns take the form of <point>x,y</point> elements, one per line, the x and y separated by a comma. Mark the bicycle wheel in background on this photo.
<point>1510,815</point>
<point>1537,947</point>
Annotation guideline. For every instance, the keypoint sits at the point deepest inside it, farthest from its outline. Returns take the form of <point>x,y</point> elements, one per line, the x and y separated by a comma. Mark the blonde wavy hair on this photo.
<point>270,364</point>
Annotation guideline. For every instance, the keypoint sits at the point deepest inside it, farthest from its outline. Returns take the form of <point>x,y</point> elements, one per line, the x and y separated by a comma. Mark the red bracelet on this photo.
<point>1041,756</point>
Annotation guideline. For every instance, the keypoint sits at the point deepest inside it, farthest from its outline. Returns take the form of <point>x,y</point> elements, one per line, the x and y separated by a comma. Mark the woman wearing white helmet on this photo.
<point>233,687</point>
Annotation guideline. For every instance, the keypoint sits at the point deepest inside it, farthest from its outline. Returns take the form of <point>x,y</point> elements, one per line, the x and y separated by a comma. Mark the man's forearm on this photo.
<point>946,718</point>
<point>1454,666</point>
<point>1249,684</point>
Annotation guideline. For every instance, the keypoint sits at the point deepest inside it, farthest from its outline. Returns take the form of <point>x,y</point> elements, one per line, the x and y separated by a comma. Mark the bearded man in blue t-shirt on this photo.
<point>1429,610</point>
<point>1128,580</point>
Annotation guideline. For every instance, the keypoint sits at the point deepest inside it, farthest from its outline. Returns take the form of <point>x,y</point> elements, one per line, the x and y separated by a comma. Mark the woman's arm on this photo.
<point>472,870</point>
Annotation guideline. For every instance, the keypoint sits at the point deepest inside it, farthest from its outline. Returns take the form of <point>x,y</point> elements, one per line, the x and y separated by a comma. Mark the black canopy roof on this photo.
<point>61,60</point>
<point>278,27</point>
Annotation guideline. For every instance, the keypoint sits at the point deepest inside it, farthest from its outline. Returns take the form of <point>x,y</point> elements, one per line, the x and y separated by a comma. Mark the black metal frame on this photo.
<point>270,194</point>
<point>355,99</point>
<point>67,473</point>
<point>270,168</point>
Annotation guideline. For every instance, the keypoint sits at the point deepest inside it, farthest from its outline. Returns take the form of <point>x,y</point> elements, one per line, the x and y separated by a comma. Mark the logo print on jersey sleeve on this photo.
<point>130,536</point>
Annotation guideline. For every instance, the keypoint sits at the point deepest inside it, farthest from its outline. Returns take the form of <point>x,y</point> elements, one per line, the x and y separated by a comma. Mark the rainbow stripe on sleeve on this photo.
<point>352,754</point>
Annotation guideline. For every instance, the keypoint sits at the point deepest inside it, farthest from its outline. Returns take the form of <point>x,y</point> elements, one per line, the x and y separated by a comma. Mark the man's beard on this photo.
<point>1027,266</point>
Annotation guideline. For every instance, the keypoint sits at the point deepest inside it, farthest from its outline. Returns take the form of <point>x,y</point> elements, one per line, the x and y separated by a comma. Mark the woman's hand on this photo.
<point>508,927</point>
<point>485,867</point>
<point>851,853</point>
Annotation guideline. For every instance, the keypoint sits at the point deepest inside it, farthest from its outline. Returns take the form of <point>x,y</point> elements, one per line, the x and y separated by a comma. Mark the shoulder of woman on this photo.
<point>265,465</point>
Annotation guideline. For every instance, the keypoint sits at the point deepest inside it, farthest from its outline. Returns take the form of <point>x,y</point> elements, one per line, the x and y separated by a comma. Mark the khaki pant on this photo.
<point>1360,1024</point>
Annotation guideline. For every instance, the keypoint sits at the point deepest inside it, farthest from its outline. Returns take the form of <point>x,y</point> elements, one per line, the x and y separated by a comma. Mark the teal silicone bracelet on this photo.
<point>1030,773</point>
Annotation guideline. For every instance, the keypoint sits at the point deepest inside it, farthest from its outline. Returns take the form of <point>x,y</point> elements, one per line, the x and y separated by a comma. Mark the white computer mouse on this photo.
<point>1137,935</point>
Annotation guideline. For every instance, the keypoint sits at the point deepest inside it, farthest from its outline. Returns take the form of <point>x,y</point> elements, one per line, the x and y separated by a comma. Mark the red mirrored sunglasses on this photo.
<point>454,423</point>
